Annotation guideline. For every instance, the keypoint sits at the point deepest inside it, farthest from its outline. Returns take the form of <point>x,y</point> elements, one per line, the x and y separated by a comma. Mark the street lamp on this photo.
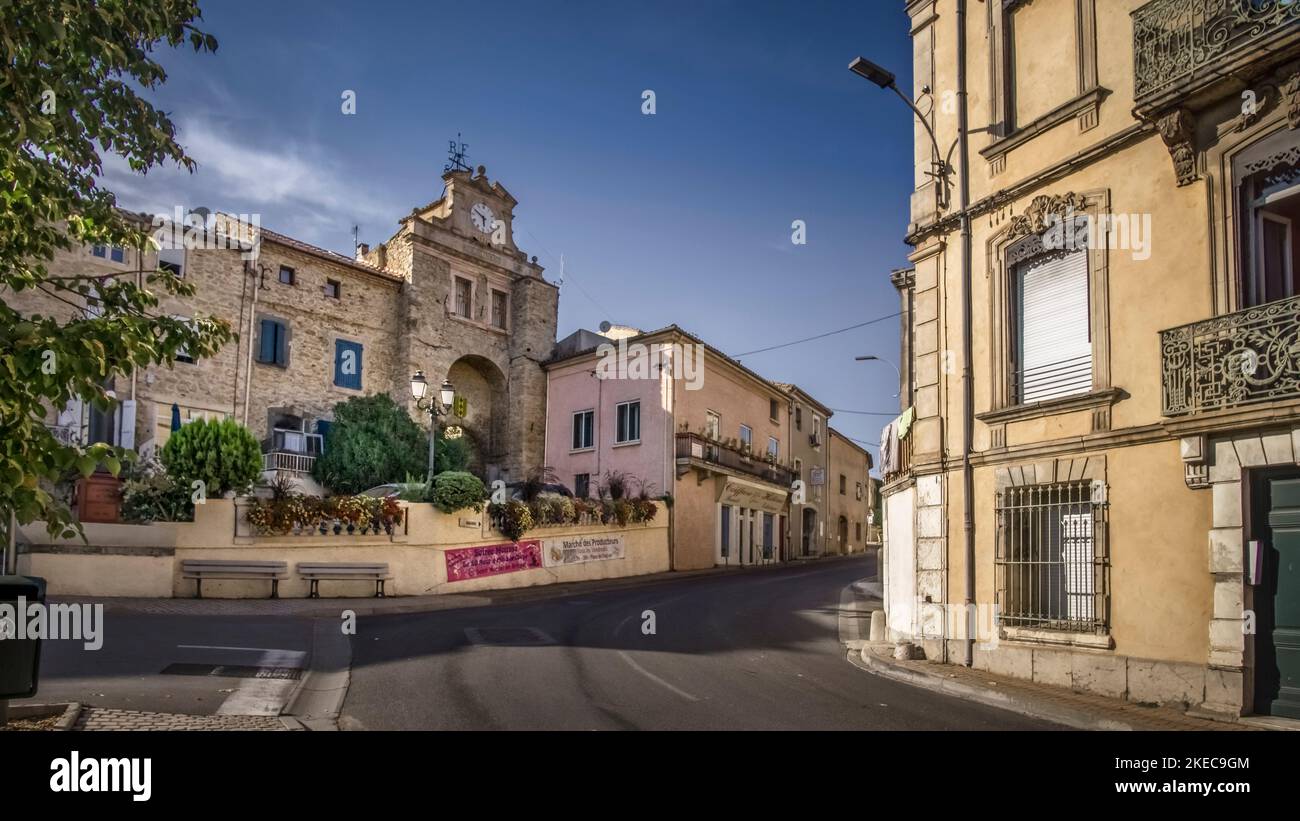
<point>884,78</point>
<point>874,358</point>
<point>446,395</point>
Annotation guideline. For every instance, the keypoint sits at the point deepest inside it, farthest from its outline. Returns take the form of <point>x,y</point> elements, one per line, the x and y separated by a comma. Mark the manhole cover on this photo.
<point>233,671</point>
<point>508,636</point>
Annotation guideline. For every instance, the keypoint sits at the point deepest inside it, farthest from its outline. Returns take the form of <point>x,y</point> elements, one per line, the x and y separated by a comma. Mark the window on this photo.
<point>712,425</point>
<point>767,535</point>
<point>287,275</point>
<point>746,437</point>
<point>627,426</point>
<point>582,485</point>
<point>333,289</point>
<point>857,531</point>
<point>117,254</point>
<point>100,251</point>
<point>773,447</point>
<point>726,531</point>
<point>499,310</point>
<point>347,364</point>
<point>798,418</point>
<point>798,468</point>
<point>1052,571</point>
<point>1268,177</point>
<point>859,491</point>
<point>273,342</point>
<point>584,430</point>
<point>173,260</point>
<point>844,483</point>
<point>464,294</point>
<point>774,411</point>
<point>1053,338</point>
<point>815,438</point>
<point>182,353</point>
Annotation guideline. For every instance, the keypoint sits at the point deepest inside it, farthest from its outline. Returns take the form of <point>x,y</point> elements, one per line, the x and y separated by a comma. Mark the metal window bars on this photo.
<point>1052,560</point>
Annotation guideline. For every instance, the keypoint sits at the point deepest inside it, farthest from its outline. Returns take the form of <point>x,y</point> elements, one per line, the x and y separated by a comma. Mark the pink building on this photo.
<point>684,419</point>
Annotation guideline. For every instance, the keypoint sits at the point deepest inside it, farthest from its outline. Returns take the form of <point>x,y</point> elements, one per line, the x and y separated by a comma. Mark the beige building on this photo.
<point>449,293</point>
<point>849,494</point>
<point>1135,372</point>
<point>808,423</point>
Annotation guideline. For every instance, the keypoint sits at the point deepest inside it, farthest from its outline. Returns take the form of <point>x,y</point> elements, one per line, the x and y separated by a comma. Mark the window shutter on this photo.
<point>281,343</point>
<point>343,352</point>
<point>266,341</point>
<point>1055,339</point>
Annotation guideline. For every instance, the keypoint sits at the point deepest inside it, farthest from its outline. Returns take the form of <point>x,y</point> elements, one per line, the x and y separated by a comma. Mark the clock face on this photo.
<point>482,217</point>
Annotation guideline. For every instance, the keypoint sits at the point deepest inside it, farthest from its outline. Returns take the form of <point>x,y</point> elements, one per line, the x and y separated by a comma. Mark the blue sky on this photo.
<point>684,216</point>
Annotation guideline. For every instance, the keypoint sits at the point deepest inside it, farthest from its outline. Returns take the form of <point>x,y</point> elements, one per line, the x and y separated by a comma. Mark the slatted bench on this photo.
<point>198,570</point>
<point>315,572</point>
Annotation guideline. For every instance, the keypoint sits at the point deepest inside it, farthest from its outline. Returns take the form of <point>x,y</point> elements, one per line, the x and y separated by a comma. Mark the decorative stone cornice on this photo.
<point>1291,96</point>
<point>1035,219</point>
<point>1177,128</point>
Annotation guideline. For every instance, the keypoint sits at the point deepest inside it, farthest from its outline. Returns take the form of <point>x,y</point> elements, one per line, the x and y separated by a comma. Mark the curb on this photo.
<point>1075,718</point>
<point>318,699</point>
<point>70,713</point>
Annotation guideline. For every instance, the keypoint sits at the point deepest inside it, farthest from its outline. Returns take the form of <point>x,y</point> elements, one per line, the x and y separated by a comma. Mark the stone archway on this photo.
<point>483,388</point>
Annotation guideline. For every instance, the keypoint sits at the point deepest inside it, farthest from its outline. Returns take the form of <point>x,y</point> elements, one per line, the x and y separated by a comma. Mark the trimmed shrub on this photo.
<point>224,455</point>
<point>371,442</point>
<point>513,518</point>
<point>456,490</point>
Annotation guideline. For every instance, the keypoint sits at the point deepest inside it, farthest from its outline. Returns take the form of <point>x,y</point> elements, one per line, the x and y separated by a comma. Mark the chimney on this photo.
<point>362,250</point>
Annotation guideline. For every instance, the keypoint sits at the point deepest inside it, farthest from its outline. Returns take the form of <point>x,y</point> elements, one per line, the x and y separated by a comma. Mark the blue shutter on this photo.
<point>266,342</point>
<point>281,343</point>
<point>343,351</point>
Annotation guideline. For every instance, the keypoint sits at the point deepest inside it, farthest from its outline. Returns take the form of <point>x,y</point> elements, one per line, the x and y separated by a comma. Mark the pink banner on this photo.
<point>493,559</point>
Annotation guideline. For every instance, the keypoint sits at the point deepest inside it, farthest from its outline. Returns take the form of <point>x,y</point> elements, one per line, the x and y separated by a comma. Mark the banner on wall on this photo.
<point>579,549</point>
<point>492,560</point>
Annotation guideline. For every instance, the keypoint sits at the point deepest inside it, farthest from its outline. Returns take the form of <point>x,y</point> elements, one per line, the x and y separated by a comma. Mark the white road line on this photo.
<point>632,662</point>
<point>258,696</point>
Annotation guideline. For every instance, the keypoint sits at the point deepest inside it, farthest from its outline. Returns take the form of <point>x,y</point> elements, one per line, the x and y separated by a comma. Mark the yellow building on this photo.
<point>1128,496</point>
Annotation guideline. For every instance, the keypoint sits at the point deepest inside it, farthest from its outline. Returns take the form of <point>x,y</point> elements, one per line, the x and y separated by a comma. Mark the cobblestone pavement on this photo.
<point>102,718</point>
<point>1082,710</point>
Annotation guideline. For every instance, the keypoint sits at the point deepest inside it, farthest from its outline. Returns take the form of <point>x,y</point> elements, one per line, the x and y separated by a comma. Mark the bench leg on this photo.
<point>198,588</point>
<point>275,588</point>
<point>379,589</point>
<point>315,590</point>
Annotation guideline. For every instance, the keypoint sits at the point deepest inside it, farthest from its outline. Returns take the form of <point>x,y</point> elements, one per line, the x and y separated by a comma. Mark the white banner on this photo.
<point>578,549</point>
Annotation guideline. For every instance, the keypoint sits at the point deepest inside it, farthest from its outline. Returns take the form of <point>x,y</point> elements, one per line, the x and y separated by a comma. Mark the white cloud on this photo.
<point>300,189</point>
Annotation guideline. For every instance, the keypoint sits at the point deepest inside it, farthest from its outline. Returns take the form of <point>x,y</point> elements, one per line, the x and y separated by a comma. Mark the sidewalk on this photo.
<point>395,605</point>
<point>1081,711</point>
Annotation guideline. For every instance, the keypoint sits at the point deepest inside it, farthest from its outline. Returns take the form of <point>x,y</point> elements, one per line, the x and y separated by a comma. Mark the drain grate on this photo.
<point>508,636</point>
<point>233,671</point>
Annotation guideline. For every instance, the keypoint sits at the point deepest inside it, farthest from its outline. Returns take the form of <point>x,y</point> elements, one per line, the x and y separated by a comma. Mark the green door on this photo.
<point>1281,673</point>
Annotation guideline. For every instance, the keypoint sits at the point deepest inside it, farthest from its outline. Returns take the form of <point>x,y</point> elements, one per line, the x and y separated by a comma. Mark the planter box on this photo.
<point>99,498</point>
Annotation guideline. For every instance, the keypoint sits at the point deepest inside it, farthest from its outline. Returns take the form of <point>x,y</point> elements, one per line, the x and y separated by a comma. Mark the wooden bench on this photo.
<point>218,569</point>
<point>315,572</point>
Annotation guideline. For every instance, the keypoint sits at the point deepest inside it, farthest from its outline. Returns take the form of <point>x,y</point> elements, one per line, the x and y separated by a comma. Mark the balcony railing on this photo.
<point>291,450</point>
<point>1232,360</point>
<point>1177,43</point>
<point>695,447</point>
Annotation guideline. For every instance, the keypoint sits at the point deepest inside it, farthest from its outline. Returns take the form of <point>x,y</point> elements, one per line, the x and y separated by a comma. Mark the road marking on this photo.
<point>259,696</point>
<point>654,678</point>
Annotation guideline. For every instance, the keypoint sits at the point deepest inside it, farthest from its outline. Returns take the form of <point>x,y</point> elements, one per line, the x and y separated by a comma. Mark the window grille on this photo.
<point>1053,568</point>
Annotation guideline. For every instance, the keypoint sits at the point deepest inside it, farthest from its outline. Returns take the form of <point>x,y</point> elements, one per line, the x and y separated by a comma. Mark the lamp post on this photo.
<point>435,407</point>
<point>874,358</point>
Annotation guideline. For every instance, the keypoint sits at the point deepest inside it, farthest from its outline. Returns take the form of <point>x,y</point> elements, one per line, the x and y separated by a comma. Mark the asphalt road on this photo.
<point>754,650</point>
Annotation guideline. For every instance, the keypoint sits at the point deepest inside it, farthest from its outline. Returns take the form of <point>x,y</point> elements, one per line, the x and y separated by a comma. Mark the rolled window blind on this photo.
<point>1055,342</point>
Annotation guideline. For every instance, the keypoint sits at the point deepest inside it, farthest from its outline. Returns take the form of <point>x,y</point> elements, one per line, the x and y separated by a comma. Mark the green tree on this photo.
<point>222,454</point>
<point>68,88</point>
<point>372,442</point>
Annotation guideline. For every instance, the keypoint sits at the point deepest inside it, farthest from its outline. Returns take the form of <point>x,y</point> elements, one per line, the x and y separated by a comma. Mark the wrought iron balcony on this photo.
<point>1228,361</point>
<point>1181,46</point>
<point>692,447</point>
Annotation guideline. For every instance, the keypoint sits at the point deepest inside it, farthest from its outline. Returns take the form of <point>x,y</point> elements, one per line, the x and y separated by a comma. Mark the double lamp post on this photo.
<point>440,407</point>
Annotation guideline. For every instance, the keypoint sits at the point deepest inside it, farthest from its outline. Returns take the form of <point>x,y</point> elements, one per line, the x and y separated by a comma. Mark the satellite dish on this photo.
<point>605,326</point>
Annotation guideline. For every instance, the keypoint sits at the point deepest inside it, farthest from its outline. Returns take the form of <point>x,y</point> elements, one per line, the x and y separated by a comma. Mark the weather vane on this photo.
<point>456,155</point>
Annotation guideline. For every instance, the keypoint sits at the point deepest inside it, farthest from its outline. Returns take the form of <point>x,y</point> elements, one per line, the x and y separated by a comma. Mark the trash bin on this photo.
<point>20,658</point>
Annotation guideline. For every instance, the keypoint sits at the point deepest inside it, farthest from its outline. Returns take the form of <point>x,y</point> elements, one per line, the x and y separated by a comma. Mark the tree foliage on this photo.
<point>68,88</point>
<point>455,490</point>
<point>222,454</point>
<point>372,442</point>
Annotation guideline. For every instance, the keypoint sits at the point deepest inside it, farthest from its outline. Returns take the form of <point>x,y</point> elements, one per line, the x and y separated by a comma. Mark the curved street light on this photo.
<point>874,358</point>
